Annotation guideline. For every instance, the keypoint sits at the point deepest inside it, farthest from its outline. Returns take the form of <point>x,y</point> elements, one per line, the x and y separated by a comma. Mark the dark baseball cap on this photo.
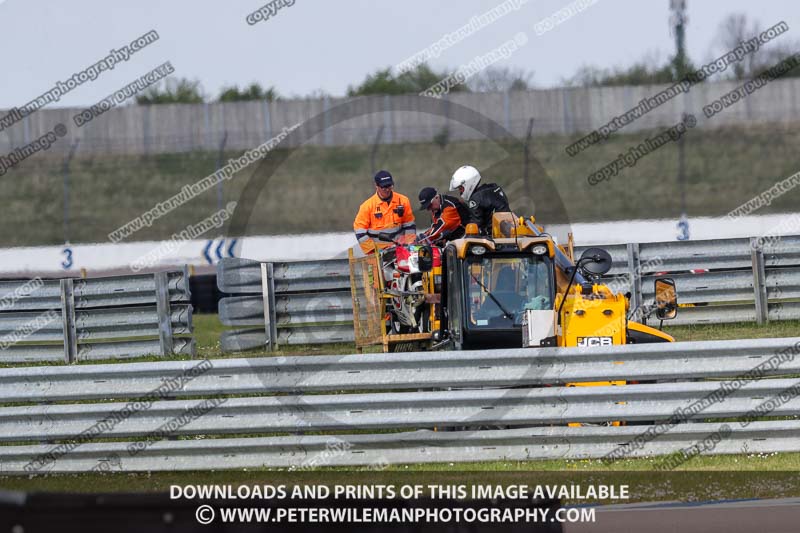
<point>426,196</point>
<point>383,178</point>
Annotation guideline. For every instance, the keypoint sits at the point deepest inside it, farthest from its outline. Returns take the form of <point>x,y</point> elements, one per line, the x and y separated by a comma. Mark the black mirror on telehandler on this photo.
<point>594,262</point>
<point>666,299</point>
<point>425,256</point>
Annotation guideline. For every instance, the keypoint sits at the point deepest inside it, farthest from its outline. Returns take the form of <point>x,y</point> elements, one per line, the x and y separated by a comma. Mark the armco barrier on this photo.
<point>305,302</point>
<point>725,281</point>
<point>718,281</point>
<point>405,392</point>
<point>422,446</point>
<point>397,371</point>
<point>97,318</point>
<point>401,410</point>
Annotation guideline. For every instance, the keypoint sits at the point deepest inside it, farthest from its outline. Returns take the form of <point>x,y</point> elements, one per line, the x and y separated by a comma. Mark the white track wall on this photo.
<point>116,258</point>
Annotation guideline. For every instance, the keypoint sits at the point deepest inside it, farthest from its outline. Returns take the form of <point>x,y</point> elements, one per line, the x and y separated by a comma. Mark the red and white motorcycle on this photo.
<point>403,266</point>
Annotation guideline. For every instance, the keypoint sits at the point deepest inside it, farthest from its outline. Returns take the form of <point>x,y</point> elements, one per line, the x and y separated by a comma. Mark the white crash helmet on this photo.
<point>468,177</point>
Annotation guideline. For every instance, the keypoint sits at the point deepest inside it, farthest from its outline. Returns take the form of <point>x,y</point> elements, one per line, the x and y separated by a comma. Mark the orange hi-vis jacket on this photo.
<point>377,218</point>
<point>449,220</point>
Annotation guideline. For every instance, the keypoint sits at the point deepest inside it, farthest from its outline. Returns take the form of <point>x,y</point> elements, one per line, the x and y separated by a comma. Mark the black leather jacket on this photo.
<point>484,202</point>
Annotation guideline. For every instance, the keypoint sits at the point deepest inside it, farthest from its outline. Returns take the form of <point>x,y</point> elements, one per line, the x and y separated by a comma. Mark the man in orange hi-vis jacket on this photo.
<point>385,217</point>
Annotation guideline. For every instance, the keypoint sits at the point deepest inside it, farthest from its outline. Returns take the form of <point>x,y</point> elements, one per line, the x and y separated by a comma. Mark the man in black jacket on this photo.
<point>483,200</point>
<point>449,215</point>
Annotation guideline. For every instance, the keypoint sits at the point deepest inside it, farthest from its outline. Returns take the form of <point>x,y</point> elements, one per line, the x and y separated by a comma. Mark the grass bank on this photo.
<point>318,189</point>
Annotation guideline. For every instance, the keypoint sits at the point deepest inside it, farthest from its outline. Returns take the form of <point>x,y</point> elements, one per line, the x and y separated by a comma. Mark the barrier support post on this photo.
<point>68,321</point>
<point>759,282</point>
<point>164,315</point>
<point>635,269</point>
<point>268,297</point>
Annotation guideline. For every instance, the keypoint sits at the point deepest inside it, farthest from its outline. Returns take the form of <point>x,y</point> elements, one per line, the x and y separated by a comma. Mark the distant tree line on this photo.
<point>185,91</point>
<point>648,71</point>
<point>734,29</point>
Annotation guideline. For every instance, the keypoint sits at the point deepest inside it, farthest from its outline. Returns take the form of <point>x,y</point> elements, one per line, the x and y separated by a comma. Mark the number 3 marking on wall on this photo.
<point>67,263</point>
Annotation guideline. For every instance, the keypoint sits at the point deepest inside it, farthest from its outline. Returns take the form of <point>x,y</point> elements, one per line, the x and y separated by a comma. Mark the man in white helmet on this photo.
<point>483,200</point>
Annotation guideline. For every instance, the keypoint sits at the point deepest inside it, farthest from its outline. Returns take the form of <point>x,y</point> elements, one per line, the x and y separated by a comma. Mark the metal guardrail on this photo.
<point>307,302</point>
<point>96,351</point>
<point>404,371</point>
<point>740,280</point>
<point>290,309</point>
<point>243,276</point>
<point>115,291</point>
<point>94,324</point>
<point>89,319</point>
<point>397,392</point>
<point>402,410</point>
<point>253,339</point>
<point>424,446</point>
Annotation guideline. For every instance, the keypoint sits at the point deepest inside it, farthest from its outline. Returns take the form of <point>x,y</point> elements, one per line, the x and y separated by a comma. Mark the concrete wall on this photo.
<point>105,258</point>
<point>136,129</point>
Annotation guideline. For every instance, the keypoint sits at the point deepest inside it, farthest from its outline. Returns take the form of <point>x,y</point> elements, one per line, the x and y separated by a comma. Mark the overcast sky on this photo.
<point>327,45</point>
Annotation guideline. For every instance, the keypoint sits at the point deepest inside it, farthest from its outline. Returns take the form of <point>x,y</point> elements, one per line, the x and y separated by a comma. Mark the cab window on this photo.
<point>501,288</point>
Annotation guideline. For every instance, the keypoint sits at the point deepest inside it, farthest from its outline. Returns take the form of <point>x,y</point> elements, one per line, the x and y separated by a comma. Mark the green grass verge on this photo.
<point>702,478</point>
<point>708,332</point>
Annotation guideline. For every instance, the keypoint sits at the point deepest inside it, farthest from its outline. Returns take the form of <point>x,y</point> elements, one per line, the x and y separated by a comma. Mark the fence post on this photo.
<point>387,118</point>
<point>635,270</point>
<point>207,142</point>
<point>146,128</point>
<point>66,196</point>
<point>220,163</point>
<point>268,297</point>
<point>68,321</point>
<point>759,282</point>
<point>507,111</point>
<point>327,139</point>
<point>526,162</point>
<point>26,129</point>
<point>267,120</point>
<point>374,152</point>
<point>164,315</point>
